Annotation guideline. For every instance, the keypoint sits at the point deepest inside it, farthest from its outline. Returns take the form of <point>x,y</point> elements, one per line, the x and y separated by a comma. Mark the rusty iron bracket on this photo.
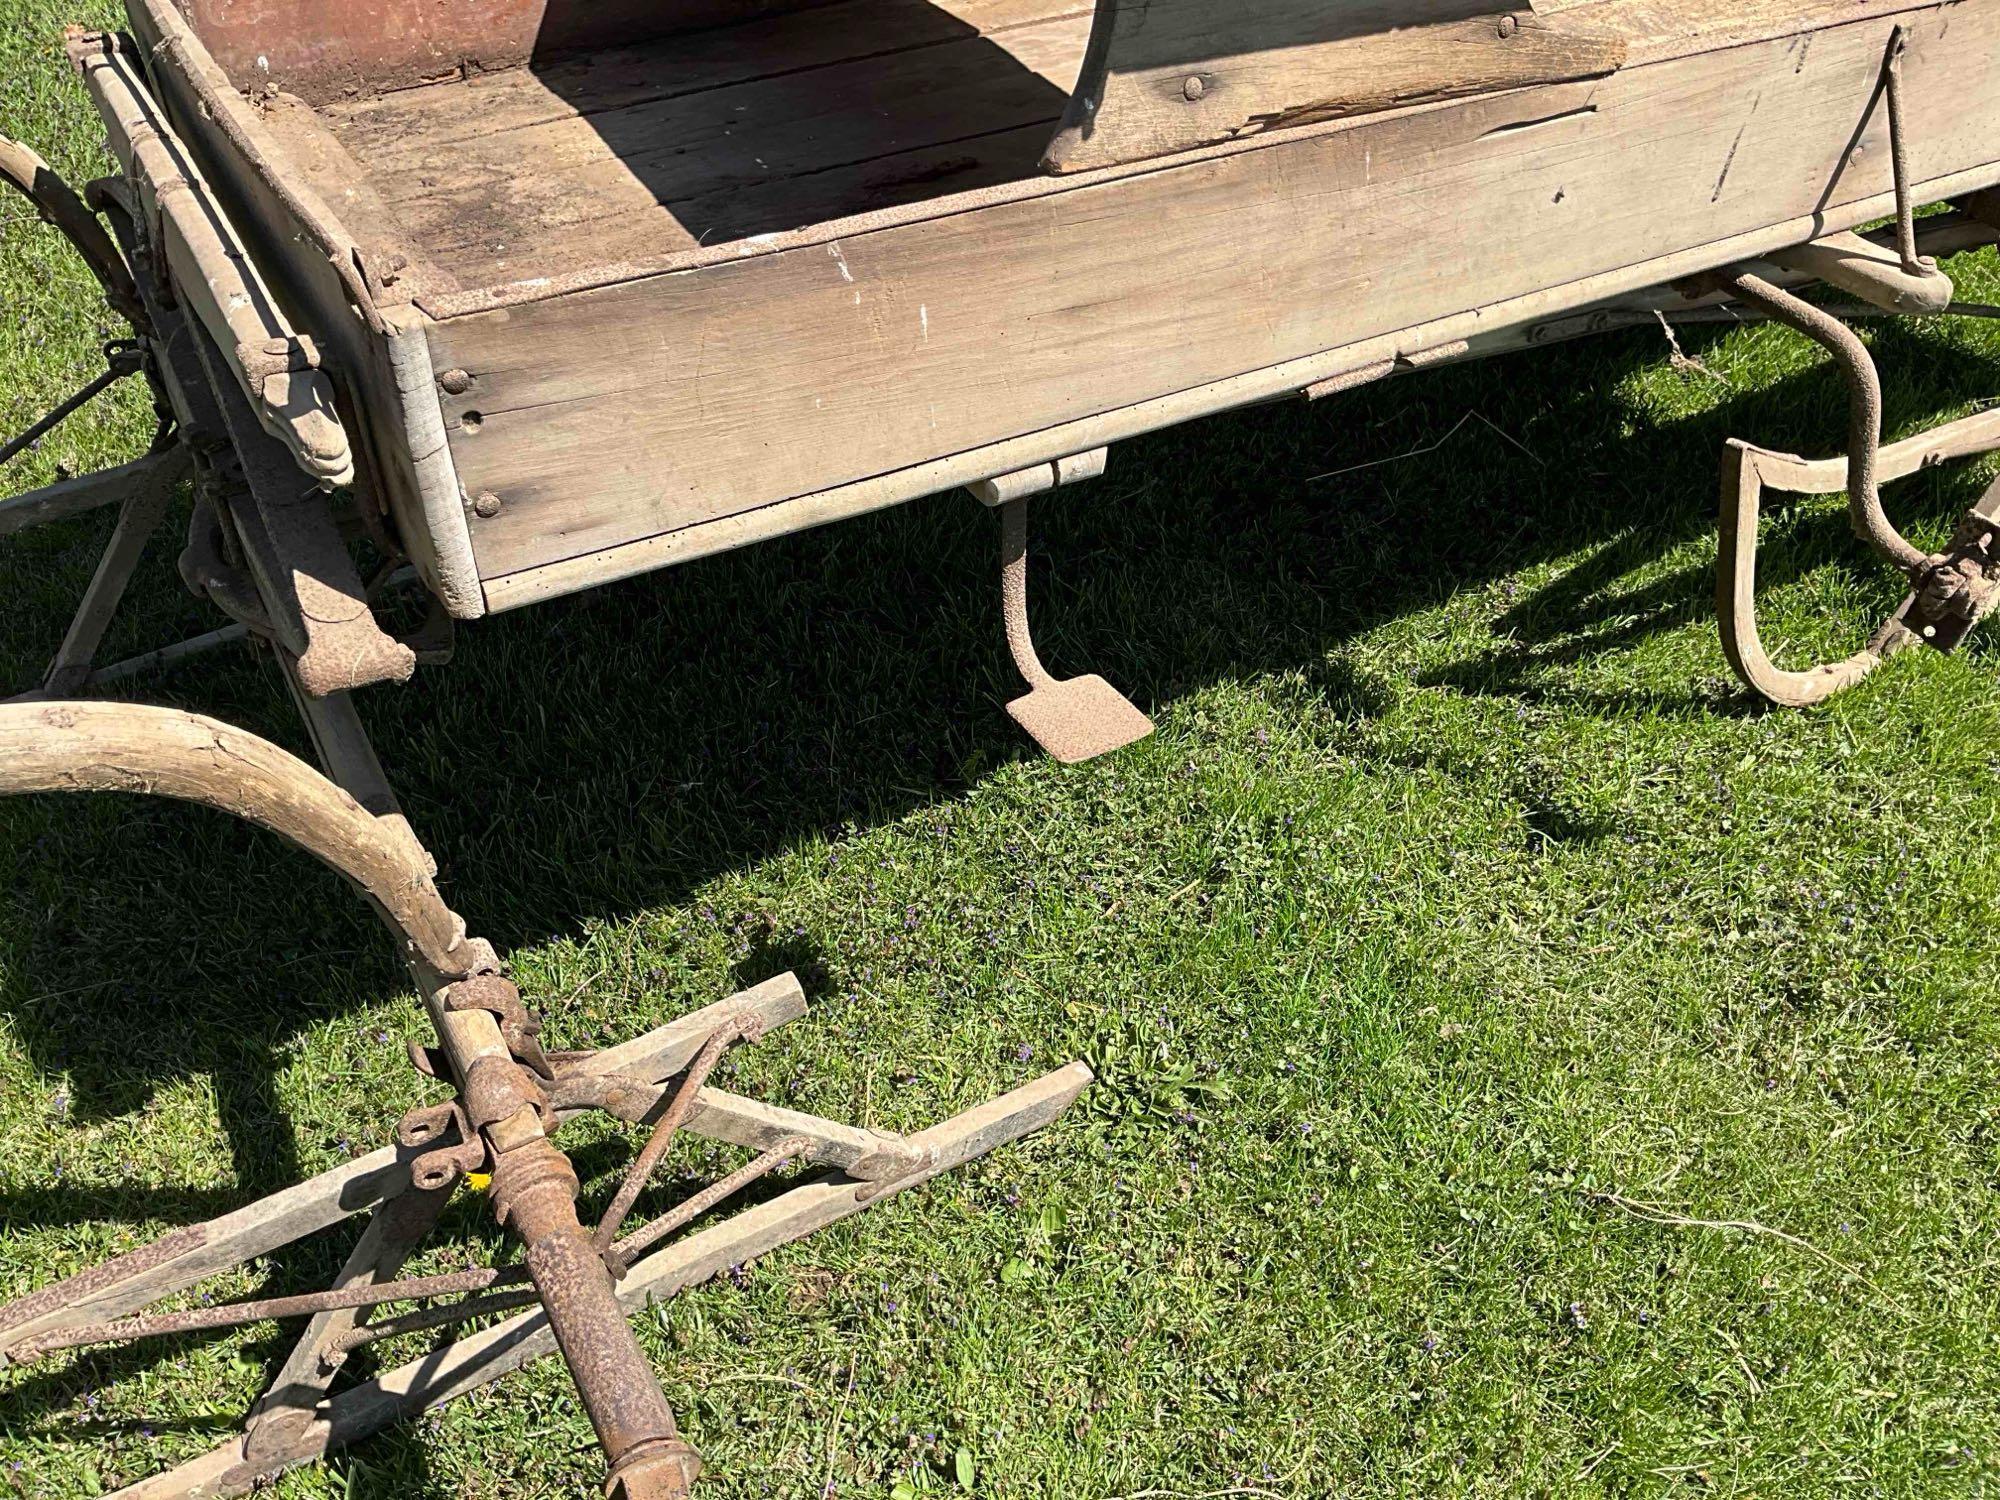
<point>1962,588</point>
<point>450,1144</point>
<point>520,1027</point>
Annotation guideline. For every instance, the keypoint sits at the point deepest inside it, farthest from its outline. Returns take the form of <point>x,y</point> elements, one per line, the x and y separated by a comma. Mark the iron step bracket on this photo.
<point>1039,479</point>
<point>1873,272</point>
<point>1073,719</point>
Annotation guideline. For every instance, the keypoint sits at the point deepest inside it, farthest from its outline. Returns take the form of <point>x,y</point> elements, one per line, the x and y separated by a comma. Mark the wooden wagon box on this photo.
<point>601,288</point>
<point>538,294</point>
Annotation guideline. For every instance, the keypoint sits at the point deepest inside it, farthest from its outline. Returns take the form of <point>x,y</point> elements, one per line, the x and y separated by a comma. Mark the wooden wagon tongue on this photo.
<point>574,1288</point>
<point>1074,719</point>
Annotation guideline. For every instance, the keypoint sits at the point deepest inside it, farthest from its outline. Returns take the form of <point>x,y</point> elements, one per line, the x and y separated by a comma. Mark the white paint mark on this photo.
<point>924,321</point>
<point>840,260</point>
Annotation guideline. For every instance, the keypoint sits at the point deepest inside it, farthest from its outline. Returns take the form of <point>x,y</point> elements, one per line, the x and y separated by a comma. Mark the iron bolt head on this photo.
<point>486,506</point>
<point>1193,89</point>
<point>455,382</point>
<point>1509,25</point>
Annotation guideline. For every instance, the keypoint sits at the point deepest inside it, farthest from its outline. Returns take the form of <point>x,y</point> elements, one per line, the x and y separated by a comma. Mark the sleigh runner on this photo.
<point>536,297</point>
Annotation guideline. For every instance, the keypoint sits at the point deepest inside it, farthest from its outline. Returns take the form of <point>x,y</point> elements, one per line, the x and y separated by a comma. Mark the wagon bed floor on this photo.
<point>632,154</point>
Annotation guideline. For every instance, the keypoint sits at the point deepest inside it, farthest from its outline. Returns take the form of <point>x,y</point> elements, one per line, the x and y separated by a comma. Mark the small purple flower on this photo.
<point>1024,1053</point>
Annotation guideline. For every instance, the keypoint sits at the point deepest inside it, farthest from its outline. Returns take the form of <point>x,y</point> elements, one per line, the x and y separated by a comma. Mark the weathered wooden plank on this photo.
<point>180,1259</point>
<point>1169,75</point>
<point>755,380</point>
<point>87,492</point>
<point>539,190</point>
<point>385,130</point>
<point>138,519</point>
<point>322,50</point>
<point>485,1356</point>
<point>667,1050</point>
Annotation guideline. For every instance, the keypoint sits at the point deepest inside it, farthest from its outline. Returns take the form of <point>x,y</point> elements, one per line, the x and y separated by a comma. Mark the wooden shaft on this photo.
<point>126,747</point>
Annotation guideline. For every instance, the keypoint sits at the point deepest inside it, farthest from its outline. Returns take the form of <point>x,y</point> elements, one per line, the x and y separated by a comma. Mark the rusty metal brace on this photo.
<point>122,357</point>
<point>650,1155</point>
<point>1950,592</point>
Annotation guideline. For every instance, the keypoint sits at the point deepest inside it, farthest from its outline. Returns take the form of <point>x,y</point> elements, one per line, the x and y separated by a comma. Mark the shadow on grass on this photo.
<point>610,753</point>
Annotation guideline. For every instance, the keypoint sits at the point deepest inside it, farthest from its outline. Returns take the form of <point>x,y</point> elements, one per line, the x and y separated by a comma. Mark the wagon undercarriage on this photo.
<point>317,389</point>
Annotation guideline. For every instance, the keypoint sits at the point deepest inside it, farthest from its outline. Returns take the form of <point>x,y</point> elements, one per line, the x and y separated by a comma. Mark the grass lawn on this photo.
<point>1527,1067</point>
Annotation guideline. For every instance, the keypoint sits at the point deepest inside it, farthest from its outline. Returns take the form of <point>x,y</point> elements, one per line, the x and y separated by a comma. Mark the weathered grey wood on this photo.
<point>871,1155</point>
<point>434,531</point>
<point>219,282</point>
<point>87,492</point>
<point>667,1050</point>
<point>263,175</point>
<point>775,376</point>
<point>394,1231</point>
<point>360,46</point>
<point>190,1255</point>
<point>635,70</point>
<point>1169,75</point>
<point>138,519</point>
<point>756,129</point>
<point>305,577</point>
<point>486,1356</point>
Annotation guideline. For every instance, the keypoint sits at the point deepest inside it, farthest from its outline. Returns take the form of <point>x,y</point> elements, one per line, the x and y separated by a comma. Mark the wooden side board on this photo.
<point>604,418</point>
<point>324,49</point>
<point>1169,75</point>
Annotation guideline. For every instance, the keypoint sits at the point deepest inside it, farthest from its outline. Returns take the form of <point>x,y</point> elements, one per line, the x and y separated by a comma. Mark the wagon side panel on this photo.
<point>601,419</point>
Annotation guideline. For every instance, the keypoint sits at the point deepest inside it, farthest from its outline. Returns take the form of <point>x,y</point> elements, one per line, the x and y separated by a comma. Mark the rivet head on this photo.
<point>455,382</point>
<point>486,506</point>
<point>1193,89</point>
<point>1509,25</point>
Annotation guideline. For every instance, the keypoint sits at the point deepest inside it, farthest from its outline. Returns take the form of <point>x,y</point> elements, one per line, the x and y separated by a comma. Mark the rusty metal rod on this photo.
<point>264,1310</point>
<point>1899,155</point>
<point>1014,596</point>
<point>425,1319</point>
<point>641,1170</point>
<point>1864,403</point>
<point>534,1193</point>
<point>55,417</point>
<point>647,1235</point>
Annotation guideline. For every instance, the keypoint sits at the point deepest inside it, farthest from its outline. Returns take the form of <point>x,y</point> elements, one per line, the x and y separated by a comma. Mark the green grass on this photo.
<point>1460,905</point>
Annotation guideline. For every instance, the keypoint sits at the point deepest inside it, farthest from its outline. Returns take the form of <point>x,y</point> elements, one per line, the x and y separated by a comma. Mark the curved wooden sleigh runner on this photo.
<point>492,287</point>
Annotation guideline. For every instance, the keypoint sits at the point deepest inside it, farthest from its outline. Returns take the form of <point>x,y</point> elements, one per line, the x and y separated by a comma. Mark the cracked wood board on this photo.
<point>1170,75</point>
